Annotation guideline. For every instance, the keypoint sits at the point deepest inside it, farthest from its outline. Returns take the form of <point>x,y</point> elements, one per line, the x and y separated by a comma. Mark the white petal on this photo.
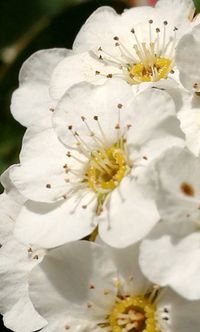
<point>178,193</point>
<point>174,262</point>
<point>31,101</point>
<point>71,283</point>
<point>50,225</point>
<point>187,59</point>
<point>130,216</point>
<point>100,25</point>
<point>190,124</point>
<point>41,175</point>
<point>174,313</point>
<point>75,69</point>
<point>90,101</point>
<point>14,268</point>
<point>155,126</point>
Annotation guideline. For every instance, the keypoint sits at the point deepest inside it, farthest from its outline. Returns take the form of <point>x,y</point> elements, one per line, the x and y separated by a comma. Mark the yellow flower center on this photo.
<point>141,72</point>
<point>133,314</point>
<point>106,169</point>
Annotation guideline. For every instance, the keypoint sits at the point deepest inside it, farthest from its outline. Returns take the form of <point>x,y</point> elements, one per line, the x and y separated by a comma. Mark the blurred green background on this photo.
<point>25,27</point>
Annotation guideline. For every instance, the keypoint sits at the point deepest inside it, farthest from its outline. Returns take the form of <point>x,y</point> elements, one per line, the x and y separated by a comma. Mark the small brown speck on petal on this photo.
<point>187,189</point>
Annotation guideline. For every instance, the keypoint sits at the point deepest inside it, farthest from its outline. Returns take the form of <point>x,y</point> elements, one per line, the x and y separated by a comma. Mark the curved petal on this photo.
<point>67,283</point>
<point>83,103</point>
<point>187,59</point>
<point>130,216</point>
<point>100,25</point>
<point>31,102</point>
<point>172,261</point>
<point>50,225</point>
<point>156,127</point>
<point>41,176</point>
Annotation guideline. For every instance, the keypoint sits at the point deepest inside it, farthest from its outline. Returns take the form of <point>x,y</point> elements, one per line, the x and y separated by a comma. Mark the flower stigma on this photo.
<point>103,165</point>
<point>106,169</point>
<point>133,314</point>
<point>136,313</point>
<point>148,61</point>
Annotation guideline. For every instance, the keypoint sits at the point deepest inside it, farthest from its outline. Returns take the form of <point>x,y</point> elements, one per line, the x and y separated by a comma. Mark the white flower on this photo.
<point>170,256</point>
<point>177,189</point>
<point>172,260</point>
<point>187,60</point>
<point>89,176</point>
<point>137,46</point>
<point>84,287</point>
<point>31,103</point>
<point>16,261</point>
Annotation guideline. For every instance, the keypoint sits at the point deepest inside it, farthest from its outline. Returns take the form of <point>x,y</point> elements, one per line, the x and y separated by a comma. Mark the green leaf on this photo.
<point>197,5</point>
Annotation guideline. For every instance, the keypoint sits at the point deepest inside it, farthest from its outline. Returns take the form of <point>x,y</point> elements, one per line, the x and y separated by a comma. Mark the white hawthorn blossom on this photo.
<point>16,261</point>
<point>137,46</point>
<point>187,60</point>
<point>83,287</point>
<point>170,256</point>
<point>89,173</point>
<point>31,102</point>
<point>172,260</point>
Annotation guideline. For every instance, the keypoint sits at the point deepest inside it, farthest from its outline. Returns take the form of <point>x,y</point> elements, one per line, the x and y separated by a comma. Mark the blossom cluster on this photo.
<point>100,220</point>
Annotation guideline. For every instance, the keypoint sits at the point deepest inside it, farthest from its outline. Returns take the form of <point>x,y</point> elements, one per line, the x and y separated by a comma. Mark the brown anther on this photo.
<point>67,327</point>
<point>133,30</point>
<point>116,38</point>
<point>157,30</point>
<point>165,22</point>
<point>150,21</point>
<point>119,106</point>
<point>65,166</point>
<point>117,126</point>
<point>100,57</point>
<point>95,118</point>
<point>97,72</point>
<point>48,185</point>
<point>129,126</point>
<point>100,49</point>
<point>82,118</point>
<point>89,305</point>
<point>145,158</point>
<point>68,154</point>
<point>195,85</point>
<point>51,109</point>
<point>91,287</point>
<point>109,76</point>
<point>172,71</point>
<point>187,189</point>
<point>175,28</point>
<point>30,249</point>
<point>70,127</point>
<point>1,245</point>
<point>64,196</point>
<point>35,257</point>
<point>84,206</point>
<point>67,180</point>
<point>76,133</point>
